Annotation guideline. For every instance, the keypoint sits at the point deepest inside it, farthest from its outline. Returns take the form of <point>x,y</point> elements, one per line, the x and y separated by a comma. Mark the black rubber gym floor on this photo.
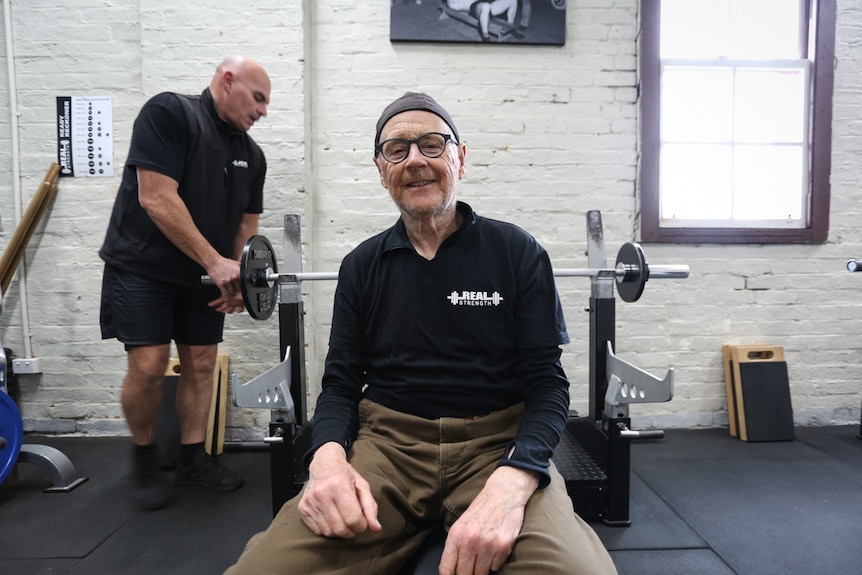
<point>702,503</point>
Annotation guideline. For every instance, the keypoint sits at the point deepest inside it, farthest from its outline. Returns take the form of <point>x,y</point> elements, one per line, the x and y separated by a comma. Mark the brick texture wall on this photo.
<point>551,132</point>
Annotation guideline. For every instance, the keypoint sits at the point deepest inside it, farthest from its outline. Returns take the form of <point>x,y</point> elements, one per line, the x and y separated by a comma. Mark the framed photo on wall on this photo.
<point>482,21</point>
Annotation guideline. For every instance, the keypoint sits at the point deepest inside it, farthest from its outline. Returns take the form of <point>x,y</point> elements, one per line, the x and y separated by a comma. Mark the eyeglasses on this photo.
<point>430,145</point>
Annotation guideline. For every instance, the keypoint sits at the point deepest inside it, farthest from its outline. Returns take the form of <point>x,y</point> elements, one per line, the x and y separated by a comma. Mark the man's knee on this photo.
<point>255,539</point>
<point>147,365</point>
<point>197,363</point>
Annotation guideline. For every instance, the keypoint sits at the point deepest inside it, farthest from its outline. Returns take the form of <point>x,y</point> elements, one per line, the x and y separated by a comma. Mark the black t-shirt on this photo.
<point>477,329</point>
<point>220,172</point>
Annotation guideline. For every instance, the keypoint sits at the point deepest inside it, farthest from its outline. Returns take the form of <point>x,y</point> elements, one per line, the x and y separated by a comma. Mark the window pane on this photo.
<point>751,29</point>
<point>697,104</point>
<point>696,182</point>
<point>768,182</point>
<point>764,29</point>
<point>770,105</point>
<point>694,28</point>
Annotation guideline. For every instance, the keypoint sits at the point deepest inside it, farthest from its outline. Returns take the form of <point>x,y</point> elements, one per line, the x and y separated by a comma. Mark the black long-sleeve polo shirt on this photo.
<point>475,330</point>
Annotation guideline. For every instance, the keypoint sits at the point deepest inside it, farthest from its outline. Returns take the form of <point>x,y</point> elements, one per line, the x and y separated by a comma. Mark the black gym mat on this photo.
<point>666,562</point>
<point>840,443</point>
<point>713,443</point>
<point>654,525</point>
<point>93,529</point>
<point>785,508</point>
<point>701,502</point>
<point>70,525</point>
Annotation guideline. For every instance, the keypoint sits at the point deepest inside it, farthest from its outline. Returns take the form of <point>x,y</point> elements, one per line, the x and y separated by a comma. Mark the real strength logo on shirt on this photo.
<point>475,298</point>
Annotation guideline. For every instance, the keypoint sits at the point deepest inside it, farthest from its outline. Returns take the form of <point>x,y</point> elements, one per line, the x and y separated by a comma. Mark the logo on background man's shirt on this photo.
<point>475,298</point>
<point>240,164</point>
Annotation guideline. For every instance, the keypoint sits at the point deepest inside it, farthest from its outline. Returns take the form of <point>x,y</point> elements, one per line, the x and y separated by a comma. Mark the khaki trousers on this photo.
<point>423,472</point>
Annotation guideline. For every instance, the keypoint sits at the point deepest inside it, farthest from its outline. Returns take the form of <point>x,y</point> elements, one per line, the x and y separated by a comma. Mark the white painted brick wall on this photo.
<point>551,133</point>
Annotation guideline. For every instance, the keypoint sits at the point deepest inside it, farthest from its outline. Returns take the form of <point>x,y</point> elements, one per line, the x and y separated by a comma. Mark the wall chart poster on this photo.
<point>85,145</point>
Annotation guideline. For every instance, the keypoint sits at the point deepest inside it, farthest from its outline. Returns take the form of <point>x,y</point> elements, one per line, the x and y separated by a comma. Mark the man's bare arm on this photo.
<point>159,196</point>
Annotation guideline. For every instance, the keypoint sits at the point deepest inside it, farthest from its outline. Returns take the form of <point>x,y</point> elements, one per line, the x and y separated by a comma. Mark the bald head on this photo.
<point>240,88</point>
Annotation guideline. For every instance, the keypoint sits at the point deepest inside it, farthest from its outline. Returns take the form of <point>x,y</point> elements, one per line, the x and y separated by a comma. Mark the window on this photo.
<point>736,113</point>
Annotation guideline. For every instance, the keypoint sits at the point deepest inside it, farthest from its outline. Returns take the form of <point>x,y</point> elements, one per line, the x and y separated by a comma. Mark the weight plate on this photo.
<point>12,430</point>
<point>258,293</point>
<point>631,285</point>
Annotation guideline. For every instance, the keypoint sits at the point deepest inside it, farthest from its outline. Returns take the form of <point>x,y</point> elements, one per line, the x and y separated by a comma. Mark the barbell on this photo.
<point>259,275</point>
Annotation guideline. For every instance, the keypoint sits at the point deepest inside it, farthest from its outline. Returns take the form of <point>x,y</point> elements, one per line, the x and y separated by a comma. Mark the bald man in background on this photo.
<point>190,197</point>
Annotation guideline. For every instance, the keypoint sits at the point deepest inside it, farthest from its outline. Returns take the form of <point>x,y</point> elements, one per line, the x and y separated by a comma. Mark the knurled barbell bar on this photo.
<point>258,272</point>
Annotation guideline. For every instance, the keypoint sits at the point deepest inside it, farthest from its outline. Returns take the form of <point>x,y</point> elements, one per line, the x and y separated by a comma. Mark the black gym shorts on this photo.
<point>141,311</point>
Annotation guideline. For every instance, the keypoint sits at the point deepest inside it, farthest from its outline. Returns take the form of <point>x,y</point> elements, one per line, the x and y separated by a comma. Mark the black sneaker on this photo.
<point>150,489</point>
<point>152,493</point>
<point>207,471</point>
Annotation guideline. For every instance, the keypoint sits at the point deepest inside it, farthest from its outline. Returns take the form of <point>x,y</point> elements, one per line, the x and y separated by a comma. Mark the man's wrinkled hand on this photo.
<point>224,273</point>
<point>482,539</point>
<point>337,501</point>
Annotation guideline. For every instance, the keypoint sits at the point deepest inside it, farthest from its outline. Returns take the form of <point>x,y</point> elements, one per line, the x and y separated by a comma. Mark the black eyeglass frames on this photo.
<point>430,145</point>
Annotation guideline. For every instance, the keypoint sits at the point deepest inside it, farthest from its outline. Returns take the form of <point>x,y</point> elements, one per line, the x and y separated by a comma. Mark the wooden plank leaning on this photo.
<point>27,226</point>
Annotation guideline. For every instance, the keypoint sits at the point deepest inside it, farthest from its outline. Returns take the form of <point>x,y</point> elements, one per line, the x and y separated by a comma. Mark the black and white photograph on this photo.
<point>483,21</point>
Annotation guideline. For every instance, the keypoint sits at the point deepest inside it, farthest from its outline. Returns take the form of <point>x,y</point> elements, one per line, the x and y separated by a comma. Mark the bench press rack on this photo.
<point>856,266</point>
<point>593,455</point>
<point>594,452</point>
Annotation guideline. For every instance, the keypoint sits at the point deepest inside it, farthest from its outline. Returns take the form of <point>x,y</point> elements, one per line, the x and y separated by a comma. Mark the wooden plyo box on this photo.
<point>758,393</point>
<point>167,425</point>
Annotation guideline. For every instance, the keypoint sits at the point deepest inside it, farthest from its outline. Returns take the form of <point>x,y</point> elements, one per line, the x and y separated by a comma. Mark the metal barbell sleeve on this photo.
<point>306,276</point>
<point>669,272</point>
